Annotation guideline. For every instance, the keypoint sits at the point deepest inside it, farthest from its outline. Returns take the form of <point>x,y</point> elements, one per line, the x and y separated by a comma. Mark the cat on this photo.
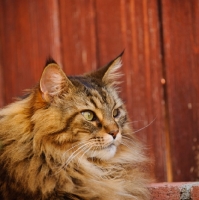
<point>70,138</point>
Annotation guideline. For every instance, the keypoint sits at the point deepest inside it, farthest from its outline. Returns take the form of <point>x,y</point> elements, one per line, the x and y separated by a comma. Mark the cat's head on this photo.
<point>83,114</point>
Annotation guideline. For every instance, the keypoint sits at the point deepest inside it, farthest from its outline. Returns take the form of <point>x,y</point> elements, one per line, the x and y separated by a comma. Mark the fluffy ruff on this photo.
<point>70,139</point>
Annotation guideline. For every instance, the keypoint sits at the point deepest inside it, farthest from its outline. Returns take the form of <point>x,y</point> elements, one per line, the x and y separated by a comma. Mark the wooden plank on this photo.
<point>30,34</point>
<point>1,87</point>
<point>1,66</point>
<point>78,35</point>
<point>181,46</point>
<point>134,25</point>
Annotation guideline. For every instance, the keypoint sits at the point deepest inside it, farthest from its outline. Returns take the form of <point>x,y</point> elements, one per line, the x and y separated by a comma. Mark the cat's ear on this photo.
<point>53,81</point>
<point>109,74</point>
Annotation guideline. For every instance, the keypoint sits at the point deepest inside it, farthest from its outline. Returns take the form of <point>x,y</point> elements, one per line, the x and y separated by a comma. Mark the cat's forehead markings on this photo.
<point>89,84</point>
<point>101,101</point>
<point>97,101</point>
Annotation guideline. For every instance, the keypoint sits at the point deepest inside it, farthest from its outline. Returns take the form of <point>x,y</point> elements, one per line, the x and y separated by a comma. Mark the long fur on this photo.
<point>49,151</point>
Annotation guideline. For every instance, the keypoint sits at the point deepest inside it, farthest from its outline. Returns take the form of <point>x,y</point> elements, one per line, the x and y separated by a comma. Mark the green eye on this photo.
<point>115,112</point>
<point>88,115</point>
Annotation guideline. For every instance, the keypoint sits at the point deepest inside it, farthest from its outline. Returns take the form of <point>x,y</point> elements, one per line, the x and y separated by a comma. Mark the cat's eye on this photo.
<point>116,112</point>
<point>88,115</point>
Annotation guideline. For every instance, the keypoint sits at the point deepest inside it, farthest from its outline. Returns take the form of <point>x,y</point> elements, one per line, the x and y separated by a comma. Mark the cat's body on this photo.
<point>70,139</point>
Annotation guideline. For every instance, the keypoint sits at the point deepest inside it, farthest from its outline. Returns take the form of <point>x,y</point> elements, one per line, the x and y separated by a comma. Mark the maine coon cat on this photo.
<point>70,138</point>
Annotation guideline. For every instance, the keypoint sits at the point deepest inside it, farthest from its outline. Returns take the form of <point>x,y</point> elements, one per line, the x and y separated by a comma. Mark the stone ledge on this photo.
<point>175,191</point>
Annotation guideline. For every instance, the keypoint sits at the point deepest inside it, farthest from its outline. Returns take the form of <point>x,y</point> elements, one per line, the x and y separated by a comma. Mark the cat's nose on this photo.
<point>114,133</point>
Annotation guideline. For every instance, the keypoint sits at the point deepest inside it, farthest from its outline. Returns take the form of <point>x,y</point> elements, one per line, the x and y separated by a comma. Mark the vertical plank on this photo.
<point>29,34</point>
<point>108,30</point>
<point>181,37</point>
<point>77,27</point>
<point>1,87</point>
<point>1,66</point>
<point>134,25</point>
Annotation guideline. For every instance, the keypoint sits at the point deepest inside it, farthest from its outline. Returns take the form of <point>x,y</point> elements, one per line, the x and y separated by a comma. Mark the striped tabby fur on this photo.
<point>69,138</point>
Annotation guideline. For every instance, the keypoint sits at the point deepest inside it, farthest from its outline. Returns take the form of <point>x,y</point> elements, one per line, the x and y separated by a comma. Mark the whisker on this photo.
<point>129,139</point>
<point>123,143</point>
<point>72,148</point>
<point>73,155</point>
<point>144,126</point>
<point>84,153</point>
<point>133,122</point>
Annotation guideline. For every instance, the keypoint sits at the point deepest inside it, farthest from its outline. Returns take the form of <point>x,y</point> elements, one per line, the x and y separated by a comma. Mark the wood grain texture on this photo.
<point>78,35</point>
<point>161,41</point>
<point>2,103</point>
<point>30,34</point>
<point>1,87</point>
<point>181,37</point>
<point>134,25</point>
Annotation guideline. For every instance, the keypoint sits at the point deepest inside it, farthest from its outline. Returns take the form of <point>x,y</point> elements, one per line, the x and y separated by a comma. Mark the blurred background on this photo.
<point>160,64</point>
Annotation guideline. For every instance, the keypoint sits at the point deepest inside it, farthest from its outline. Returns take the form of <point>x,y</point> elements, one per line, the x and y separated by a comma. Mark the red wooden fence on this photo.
<point>161,63</point>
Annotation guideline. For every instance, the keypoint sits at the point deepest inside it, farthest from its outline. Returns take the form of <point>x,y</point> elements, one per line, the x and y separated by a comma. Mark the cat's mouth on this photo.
<point>104,146</point>
<point>109,146</point>
<point>103,152</point>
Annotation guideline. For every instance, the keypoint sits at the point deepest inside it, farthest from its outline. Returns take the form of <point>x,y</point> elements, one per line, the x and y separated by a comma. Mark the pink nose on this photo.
<point>114,133</point>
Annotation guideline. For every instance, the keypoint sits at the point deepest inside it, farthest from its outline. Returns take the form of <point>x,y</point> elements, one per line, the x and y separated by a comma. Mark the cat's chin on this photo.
<point>106,153</point>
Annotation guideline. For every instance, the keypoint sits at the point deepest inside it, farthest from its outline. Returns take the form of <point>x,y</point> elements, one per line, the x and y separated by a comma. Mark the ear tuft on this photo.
<point>109,74</point>
<point>112,74</point>
<point>50,60</point>
<point>52,82</point>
